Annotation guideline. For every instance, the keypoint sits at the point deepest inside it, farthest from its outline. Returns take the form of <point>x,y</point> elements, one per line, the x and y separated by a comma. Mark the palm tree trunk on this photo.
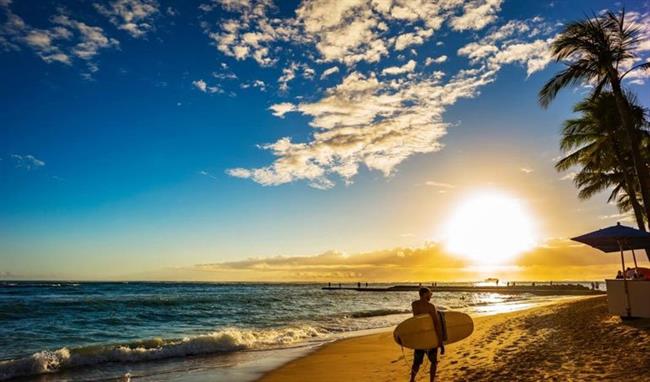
<point>628,179</point>
<point>642,172</point>
<point>640,168</point>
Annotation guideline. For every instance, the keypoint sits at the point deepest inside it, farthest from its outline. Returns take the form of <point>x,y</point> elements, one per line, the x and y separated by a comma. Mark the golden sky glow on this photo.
<point>552,260</point>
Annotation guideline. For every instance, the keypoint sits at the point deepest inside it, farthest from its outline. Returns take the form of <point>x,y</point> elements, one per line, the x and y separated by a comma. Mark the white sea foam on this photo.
<point>222,341</point>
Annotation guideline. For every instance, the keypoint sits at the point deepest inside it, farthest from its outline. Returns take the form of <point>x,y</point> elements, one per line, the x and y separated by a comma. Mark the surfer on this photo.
<point>424,306</point>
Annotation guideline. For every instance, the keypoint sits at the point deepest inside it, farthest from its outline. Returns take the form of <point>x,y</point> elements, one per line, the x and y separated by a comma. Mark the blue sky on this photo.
<point>138,135</point>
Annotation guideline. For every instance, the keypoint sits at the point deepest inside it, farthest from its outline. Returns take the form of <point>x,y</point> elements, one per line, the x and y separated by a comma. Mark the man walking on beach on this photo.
<point>424,306</point>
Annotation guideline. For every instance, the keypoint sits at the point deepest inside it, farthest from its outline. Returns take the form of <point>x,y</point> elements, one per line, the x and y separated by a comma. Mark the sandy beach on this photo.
<point>576,340</point>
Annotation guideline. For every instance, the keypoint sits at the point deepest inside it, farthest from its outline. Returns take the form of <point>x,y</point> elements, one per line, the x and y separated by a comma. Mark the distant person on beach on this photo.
<point>619,275</point>
<point>424,306</point>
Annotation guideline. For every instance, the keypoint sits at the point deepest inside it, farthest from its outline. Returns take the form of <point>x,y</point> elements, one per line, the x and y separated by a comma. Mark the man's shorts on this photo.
<point>418,356</point>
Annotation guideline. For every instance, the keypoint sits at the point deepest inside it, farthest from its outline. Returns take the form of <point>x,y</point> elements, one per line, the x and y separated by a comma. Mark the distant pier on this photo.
<point>540,290</point>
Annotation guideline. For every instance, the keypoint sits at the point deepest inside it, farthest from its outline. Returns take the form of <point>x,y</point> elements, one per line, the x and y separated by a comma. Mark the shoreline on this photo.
<point>255,365</point>
<point>555,340</point>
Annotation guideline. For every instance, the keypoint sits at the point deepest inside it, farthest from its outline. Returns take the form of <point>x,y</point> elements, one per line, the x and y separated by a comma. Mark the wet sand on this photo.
<point>575,340</point>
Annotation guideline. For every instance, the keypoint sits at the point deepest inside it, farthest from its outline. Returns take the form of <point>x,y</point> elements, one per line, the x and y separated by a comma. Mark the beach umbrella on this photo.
<point>617,238</point>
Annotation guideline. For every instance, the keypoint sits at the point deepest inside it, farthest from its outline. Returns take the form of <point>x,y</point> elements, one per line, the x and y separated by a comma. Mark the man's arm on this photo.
<point>437,325</point>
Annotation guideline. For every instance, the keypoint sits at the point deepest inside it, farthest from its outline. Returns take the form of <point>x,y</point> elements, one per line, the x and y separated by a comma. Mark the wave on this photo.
<point>378,312</point>
<point>222,341</point>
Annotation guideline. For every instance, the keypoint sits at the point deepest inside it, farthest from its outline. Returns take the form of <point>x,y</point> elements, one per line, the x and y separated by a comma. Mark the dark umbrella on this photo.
<point>617,238</point>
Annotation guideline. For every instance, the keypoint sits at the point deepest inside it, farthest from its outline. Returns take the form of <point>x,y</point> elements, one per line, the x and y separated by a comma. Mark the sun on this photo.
<point>490,228</point>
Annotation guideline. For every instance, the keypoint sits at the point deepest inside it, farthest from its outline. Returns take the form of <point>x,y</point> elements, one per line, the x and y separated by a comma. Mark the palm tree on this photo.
<point>592,142</point>
<point>595,51</point>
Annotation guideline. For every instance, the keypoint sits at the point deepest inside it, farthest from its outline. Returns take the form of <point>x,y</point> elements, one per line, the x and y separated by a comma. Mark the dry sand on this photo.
<point>567,341</point>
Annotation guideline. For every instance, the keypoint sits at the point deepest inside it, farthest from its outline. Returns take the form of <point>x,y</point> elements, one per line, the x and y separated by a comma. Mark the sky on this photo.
<point>260,140</point>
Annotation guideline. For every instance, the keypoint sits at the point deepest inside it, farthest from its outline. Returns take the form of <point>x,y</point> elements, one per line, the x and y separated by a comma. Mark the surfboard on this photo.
<point>418,333</point>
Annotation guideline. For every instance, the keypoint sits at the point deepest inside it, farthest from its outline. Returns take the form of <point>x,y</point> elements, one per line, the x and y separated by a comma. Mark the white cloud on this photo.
<point>640,21</point>
<point>259,84</point>
<point>65,39</point>
<point>432,183</point>
<point>476,15</point>
<point>27,161</point>
<point>413,38</point>
<point>569,176</point>
<point>308,72</point>
<point>510,44</point>
<point>394,70</point>
<point>288,74</point>
<point>91,38</point>
<point>329,71</point>
<point>437,60</point>
<point>365,121</point>
<point>526,170</point>
<point>132,16</point>
<point>203,86</point>
<point>349,31</point>
<point>238,172</point>
<point>250,33</point>
<point>280,109</point>
<point>535,55</point>
<point>207,174</point>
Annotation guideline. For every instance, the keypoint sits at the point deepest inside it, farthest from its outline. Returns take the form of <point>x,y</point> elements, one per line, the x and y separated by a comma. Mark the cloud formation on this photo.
<point>406,68</point>
<point>132,16</point>
<point>510,43</point>
<point>27,161</point>
<point>477,14</point>
<point>203,86</point>
<point>329,71</point>
<point>558,258</point>
<point>349,31</point>
<point>437,60</point>
<point>366,119</point>
<point>64,41</point>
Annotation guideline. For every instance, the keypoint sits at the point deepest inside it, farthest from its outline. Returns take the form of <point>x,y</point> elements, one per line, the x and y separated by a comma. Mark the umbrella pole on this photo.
<point>628,309</point>
<point>634,257</point>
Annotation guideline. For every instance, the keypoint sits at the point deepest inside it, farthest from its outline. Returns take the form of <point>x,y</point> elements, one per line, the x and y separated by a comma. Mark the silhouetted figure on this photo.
<point>366,285</point>
<point>329,285</point>
<point>424,306</point>
<point>359,285</point>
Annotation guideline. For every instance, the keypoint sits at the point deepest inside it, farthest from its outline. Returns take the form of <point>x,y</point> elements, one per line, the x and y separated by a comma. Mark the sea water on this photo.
<point>55,331</point>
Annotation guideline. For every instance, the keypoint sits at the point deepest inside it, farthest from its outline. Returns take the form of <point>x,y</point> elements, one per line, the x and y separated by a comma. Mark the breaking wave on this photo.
<point>222,341</point>
<point>378,312</point>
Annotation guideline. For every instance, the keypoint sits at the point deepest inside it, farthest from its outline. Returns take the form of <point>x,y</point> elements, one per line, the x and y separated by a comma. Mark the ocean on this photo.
<point>67,331</point>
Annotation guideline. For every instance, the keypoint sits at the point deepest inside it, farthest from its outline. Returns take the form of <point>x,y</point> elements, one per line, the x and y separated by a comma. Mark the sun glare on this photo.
<point>490,228</point>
